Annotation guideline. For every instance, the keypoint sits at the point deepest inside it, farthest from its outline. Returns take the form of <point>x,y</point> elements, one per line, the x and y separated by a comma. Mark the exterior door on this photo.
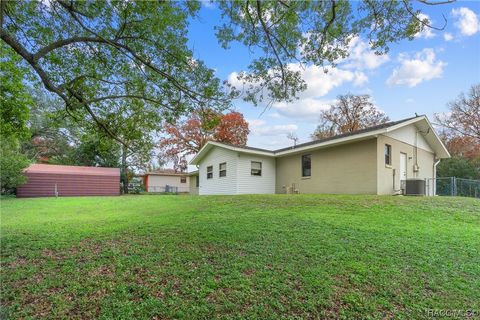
<point>403,166</point>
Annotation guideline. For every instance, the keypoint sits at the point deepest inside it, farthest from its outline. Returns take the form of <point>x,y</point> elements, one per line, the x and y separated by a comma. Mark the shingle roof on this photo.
<point>166,172</point>
<point>433,139</point>
<point>372,128</point>
<point>246,147</point>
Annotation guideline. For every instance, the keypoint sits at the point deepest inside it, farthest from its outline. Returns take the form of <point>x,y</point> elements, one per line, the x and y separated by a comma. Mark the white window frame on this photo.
<point>220,170</point>
<point>252,169</point>
<point>210,172</point>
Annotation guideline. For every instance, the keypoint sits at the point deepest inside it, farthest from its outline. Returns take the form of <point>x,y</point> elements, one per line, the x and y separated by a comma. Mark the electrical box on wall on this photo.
<point>416,168</point>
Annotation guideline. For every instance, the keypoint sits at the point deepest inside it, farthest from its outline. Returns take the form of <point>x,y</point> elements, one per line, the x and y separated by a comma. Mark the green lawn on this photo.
<point>265,257</point>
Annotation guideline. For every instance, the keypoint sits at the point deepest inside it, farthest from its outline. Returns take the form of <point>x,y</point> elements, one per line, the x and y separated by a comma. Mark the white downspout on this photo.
<point>435,177</point>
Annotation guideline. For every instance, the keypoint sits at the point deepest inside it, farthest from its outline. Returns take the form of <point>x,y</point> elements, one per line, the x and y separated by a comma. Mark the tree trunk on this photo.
<point>124,170</point>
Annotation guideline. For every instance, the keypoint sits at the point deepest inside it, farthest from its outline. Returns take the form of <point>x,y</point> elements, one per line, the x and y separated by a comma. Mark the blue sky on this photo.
<point>419,76</point>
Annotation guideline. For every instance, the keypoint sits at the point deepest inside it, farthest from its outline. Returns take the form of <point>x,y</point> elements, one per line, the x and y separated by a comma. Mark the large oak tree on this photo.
<point>94,54</point>
<point>348,114</point>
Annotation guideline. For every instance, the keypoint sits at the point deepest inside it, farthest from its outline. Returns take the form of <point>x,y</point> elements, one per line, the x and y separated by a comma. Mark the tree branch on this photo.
<point>405,3</point>
<point>132,54</point>
<point>128,96</point>
<point>267,33</point>
<point>15,45</point>
<point>64,42</point>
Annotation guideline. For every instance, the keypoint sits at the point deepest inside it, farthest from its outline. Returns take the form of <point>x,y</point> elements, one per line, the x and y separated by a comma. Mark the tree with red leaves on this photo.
<point>188,137</point>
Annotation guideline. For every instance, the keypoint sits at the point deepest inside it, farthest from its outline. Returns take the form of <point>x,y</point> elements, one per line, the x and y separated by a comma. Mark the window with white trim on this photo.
<point>222,169</point>
<point>209,172</point>
<point>388,154</point>
<point>256,168</point>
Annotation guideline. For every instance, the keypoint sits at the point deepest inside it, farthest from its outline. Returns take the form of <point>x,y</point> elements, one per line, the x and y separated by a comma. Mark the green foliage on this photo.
<point>12,163</point>
<point>239,257</point>
<point>93,54</point>
<point>286,35</point>
<point>95,149</point>
<point>15,99</point>
<point>97,56</point>
<point>14,111</point>
<point>459,167</point>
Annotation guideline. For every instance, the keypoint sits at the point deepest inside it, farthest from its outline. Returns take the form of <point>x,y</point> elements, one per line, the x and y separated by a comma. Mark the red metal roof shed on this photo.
<point>46,180</point>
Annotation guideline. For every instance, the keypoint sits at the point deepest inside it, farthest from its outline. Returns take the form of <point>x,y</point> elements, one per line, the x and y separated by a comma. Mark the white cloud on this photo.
<point>467,21</point>
<point>447,36</point>
<point>307,109</point>
<point>422,67</point>
<point>207,4</point>
<point>320,82</point>
<point>427,32</point>
<point>258,127</point>
<point>361,56</point>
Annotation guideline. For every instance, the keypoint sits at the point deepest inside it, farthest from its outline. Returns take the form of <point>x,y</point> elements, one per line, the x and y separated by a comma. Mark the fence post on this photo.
<point>451,186</point>
<point>455,186</point>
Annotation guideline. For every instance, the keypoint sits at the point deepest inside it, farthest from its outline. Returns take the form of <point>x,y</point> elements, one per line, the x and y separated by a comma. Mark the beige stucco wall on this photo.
<point>193,184</point>
<point>385,173</point>
<point>349,168</point>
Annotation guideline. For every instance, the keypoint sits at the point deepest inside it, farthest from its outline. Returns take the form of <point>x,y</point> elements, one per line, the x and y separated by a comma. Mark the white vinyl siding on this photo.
<point>407,135</point>
<point>239,179</point>
<point>218,185</point>
<point>249,184</point>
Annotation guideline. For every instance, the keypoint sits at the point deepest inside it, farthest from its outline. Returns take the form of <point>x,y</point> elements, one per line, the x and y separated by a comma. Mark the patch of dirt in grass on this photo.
<point>249,272</point>
<point>342,287</point>
<point>218,295</point>
<point>336,301</point>
<point>105,270</point>
<point>19,262</point>
<point>53,254</point>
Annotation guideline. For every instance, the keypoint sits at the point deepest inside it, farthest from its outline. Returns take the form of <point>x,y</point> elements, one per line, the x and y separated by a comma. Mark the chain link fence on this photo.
<point>165,189</point>
<point>451,186</point>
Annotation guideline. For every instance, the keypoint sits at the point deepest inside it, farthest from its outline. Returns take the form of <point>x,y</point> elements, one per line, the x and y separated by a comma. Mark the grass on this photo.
<point>265,257</point>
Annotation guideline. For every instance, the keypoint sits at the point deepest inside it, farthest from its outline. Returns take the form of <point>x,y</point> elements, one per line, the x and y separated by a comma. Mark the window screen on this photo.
<point>222,170</point>
<point>256,169</point>
<point>388,154</point>
<point>209,172</point>
<point>306,165</point>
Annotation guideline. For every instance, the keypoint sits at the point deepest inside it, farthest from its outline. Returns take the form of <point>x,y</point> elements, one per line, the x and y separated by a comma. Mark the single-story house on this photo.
<point>166,180</point>
<point>375,160</point>
<point>47,180</point>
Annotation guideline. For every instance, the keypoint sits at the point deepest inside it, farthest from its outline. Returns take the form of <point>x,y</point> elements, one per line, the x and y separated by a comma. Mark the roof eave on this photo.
<point>330,143</point>
<point>198,157</point>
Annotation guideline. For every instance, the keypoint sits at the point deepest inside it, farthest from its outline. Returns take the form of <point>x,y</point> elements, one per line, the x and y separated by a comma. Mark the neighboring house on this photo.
<point>166,180</point>
<point>376,160</point>
<point>47,180</point>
